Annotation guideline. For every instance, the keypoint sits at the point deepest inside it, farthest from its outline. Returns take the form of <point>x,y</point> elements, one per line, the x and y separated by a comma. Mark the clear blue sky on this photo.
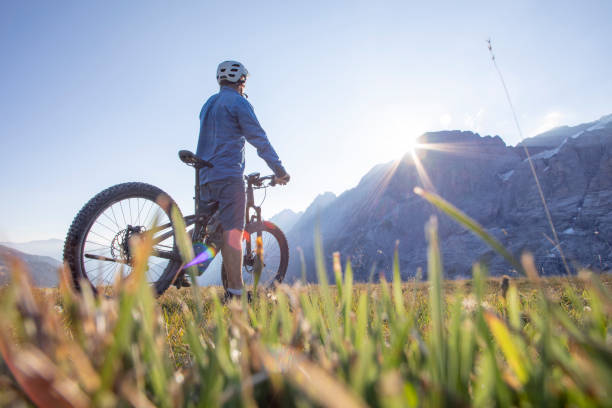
<point>100,92</point>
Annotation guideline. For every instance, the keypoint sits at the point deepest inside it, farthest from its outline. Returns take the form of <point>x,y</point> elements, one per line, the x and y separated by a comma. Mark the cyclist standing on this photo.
<point>227,119</point>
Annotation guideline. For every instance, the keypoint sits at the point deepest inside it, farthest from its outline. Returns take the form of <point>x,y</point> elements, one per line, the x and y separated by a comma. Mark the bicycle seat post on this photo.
<point>191,159</point>
<point>197,192</point>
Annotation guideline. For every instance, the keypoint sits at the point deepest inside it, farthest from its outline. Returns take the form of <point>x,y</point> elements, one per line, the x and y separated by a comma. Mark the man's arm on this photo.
<point>256,136</point>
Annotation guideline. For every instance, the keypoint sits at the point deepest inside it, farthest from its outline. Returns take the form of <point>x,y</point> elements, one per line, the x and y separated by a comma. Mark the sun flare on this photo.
<point>412,144</point>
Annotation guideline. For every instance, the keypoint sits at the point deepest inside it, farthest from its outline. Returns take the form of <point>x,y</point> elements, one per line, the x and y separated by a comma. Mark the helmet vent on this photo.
<point>232,71</point>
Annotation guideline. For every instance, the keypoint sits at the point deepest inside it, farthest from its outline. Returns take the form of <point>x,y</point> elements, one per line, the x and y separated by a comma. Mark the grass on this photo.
<point>546,342</point>
<point>480,342</point>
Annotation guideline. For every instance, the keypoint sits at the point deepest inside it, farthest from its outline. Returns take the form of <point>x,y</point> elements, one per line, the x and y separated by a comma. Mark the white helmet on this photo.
<point>231,71</point>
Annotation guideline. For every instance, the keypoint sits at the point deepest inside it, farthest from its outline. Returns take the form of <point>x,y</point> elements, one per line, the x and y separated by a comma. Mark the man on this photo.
<point>227,119</point>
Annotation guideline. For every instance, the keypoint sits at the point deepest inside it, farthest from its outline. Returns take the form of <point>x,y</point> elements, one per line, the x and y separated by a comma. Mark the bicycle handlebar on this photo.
<point>259,181</point>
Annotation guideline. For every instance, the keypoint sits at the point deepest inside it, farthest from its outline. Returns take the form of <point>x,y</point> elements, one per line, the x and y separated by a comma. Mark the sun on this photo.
<point>412,144</point>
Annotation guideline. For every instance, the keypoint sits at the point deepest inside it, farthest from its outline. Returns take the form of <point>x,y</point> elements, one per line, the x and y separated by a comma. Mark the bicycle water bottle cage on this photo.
<point>192,160</point>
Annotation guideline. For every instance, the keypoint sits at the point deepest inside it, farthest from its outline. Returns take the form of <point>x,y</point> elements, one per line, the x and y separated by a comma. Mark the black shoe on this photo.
<point>228,296</point>
<point>182,281</point>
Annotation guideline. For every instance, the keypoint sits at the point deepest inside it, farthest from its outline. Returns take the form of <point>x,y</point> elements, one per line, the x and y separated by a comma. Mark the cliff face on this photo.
<point>489,181</point>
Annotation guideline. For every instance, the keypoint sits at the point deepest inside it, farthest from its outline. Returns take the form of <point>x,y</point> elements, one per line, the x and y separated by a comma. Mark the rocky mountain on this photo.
<point>286,219</point>
<point>43,269</point>
<point>492,183</point>
<point>48,247</point>
<point>556,136</point>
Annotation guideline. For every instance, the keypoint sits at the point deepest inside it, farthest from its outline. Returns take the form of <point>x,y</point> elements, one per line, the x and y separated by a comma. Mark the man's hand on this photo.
<point>282,180</point>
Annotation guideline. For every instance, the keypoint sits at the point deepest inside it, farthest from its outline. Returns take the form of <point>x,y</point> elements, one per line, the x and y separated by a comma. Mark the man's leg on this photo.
<point>232,258</point>
<point>232,204</point>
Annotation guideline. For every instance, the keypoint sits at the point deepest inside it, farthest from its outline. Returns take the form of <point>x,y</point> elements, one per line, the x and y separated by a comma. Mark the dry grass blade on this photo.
<point>40,378</point>
<point>316,383</point>
<point>133,395</point>
<point>42,381</point>
<point>305,346</point>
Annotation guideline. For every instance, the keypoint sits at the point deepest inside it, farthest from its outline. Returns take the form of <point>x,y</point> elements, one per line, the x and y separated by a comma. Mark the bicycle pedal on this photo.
<point>182,282</point>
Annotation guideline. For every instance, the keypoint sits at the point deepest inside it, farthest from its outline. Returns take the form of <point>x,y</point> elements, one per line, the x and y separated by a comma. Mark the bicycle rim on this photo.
<point>106,254</point>
<point>271,257</point>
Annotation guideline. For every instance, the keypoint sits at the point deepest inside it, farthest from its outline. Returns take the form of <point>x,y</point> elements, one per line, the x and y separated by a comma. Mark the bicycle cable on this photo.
<point>265,189</point>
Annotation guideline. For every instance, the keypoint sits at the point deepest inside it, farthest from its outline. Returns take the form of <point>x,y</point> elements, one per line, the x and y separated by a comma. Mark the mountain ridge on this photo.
<point>52,247</point>
<point>43,269</point>
<point>490,181</point>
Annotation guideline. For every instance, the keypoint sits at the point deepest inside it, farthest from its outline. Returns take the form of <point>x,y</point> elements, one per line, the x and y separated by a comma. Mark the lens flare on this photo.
<point>209,253</point>
<point>421,172</point>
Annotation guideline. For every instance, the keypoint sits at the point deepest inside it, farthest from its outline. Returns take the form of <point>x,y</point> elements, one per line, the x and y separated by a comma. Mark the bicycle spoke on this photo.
<point>122,213</point>
<point>146,218</point>
<point>114,217</point>
<point>105,251</point>
<point>99,223</point>
<point>111,271</point>
<point>111,220</point>
<point>96,243</point>
<point>103,272</point>
<point>158,217</point>
<point>271,258</point>
<point>95,233</point>
<point>97,250</point>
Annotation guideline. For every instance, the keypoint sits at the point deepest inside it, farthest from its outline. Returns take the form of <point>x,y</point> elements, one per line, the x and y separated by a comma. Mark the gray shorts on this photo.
<point>232,201</point>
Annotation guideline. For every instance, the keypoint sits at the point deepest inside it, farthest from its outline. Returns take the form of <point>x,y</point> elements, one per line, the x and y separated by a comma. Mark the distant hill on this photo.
<point>43,269</point>
<point>49,247</point>
<point>491,182</point>
<point>286,219</point>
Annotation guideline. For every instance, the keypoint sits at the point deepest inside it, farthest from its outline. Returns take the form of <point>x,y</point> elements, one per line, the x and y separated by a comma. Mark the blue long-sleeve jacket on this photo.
<point>226,120</point>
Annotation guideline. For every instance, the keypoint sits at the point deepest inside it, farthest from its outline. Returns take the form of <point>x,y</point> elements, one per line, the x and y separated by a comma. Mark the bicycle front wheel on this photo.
<point>97,247</point>
<point>275,254</point>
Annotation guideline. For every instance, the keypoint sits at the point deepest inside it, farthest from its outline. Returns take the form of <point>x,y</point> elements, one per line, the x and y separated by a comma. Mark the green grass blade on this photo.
<point>185,248</point>
<point>398,298</point>
<point>328,305</point>
<point>348,298</point>
<point>436,302</point>
<point>509,346</point>
<point>514,307</point>
<point>338,273</point>
<point>470,224</point>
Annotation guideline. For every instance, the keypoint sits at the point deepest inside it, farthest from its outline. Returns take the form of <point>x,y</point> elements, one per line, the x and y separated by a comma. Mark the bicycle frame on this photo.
<point>252,215</point>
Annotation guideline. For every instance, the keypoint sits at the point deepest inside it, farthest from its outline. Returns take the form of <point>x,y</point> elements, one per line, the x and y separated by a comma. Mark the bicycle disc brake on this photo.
<point>120,245</point>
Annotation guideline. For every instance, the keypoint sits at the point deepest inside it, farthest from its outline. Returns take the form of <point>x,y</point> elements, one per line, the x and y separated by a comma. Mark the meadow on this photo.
<point>479,342</point>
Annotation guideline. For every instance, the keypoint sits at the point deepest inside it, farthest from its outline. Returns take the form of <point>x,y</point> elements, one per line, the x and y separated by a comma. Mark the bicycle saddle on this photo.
<point>191,159</point>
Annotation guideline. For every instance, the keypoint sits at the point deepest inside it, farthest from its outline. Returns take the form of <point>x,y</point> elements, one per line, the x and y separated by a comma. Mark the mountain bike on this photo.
<point>97,247</point>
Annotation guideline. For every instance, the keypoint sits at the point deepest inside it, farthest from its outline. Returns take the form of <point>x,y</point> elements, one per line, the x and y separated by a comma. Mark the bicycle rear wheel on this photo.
<point>97,245</point>
<point>275,254</point>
